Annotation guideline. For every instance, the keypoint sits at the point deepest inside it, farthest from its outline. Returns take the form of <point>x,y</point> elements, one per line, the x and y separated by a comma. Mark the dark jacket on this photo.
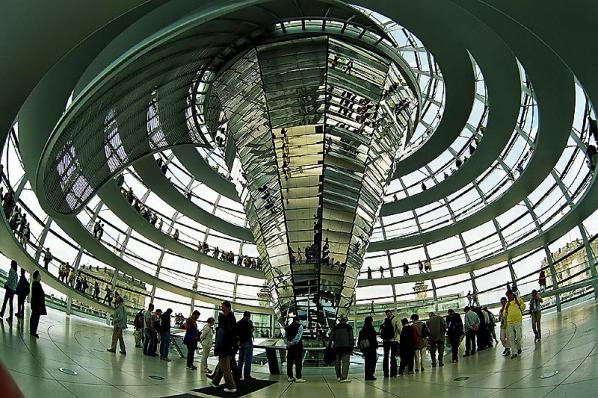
<point>165,323</point>
<point>368,333</point>
<point>23,287</point>
<point>407,346</point>
<point>226,339</point>
<point>454,325</point>
<point>38,298</point>
<point>342,337</point>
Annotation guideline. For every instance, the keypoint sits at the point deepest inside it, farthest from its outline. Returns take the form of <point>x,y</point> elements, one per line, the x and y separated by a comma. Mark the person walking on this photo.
<point>503,327</point>
<point>437,327</point>
<point>11,287</point>
<point>150,335</point>
<point>38,303</point>
<point>294,340</point>
<point>368,344</point>
<point>225,347</point>
<point>454,332</point>
<point>138,325</point>
<point>514,315</point>
<point>406,348</point>
<point>420,334</point>
<point>165,334</point>
<point>119,320</point>
<point>191,338</point>
<point>390,332</point>
<point>535,310</point>
<point>206,340</point>
<point>245,333</point>
<point>342,340</point>
<point>22,292</point>
<point>472,324</point>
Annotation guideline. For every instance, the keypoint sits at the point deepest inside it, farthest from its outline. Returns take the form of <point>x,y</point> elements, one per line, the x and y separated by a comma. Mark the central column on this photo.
<point>316,125</point>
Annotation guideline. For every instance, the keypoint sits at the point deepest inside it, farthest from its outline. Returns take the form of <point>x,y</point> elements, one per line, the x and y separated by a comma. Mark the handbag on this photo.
<point>329,355</point>
<point>364,344</point>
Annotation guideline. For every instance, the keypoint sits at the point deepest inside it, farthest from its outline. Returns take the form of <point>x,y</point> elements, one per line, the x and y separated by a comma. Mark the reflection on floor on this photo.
<point>569,346</point>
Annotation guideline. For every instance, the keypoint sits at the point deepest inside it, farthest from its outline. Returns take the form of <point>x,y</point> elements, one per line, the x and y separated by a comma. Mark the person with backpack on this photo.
<point>406,348</point>
<point>245,334</point>
<point>138,325</point>
<point>368,344</point>
<point>472,324</point>
<point>390,332</point>
<point>342,341</point>
<point>420,335</point>
<point>192,336</point>
<point>149,333</point>
<point>454,326</point>
<point>22,292</point>
<point>437,327</point>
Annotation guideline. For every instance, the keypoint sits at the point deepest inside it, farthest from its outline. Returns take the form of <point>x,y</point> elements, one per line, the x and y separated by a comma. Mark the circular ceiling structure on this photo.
<point>304,157</point>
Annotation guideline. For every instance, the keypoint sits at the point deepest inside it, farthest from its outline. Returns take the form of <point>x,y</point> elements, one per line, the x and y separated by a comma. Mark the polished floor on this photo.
<point>570,346</point>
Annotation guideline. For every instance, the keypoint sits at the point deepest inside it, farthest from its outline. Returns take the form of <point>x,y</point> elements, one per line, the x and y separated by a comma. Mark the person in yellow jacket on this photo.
<point>513,313</point>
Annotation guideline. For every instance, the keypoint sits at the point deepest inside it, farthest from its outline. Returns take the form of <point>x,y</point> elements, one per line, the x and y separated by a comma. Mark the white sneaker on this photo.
<point>290,379</point>
<point>230,390</point>
<point>300,380</point>
<point>345,380</point>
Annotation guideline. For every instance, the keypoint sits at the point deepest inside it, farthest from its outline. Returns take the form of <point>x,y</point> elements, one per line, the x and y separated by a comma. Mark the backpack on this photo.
<point>387,330</point>
<point>138,322</point>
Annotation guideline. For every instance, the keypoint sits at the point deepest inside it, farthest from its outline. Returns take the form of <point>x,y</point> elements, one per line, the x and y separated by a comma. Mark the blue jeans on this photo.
<point>245,358</point>
<point>164,343</point>
<point>149,344</point>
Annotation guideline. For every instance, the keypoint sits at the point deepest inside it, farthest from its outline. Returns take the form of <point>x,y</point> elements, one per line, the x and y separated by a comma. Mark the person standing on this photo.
<point>191,338</point>
<point>165,334</point>
<point>421,332</point>
<point>472,324</point>
<point>390,332</point>
<point>119,320</point>
<point>96,292</point>
<point>150,340</point>
<point>535,310</point>
<point>542,281</point>
<point>294,340</point>
<point>38,303</point>
<point>503,327</point>
<point>514,315</point>
<point>245,333</point>
<point>437,327</point>
<point>368,344</point>
<point>48,257</point>
<point>11,287</point>
<point>406,348</point>
<point>454,331</point>
<point>491,325</point>
<point>138,325</point>
<point>22,292</point>
<point>342,338</point>
<point>225,346</point>
<point>206,340</point>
